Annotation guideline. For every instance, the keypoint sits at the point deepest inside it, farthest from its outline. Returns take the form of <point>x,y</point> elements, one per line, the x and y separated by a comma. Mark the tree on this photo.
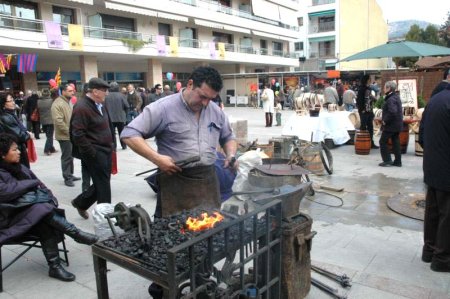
<point>444,32</point>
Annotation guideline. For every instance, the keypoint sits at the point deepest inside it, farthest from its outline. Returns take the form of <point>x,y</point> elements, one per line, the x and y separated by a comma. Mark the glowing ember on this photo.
<point>203,222</point>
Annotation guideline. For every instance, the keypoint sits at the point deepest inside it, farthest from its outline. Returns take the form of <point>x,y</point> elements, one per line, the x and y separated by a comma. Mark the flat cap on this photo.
<point>97,83</point>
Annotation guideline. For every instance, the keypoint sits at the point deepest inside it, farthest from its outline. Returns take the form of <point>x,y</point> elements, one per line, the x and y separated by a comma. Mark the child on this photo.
<point>278,112</point>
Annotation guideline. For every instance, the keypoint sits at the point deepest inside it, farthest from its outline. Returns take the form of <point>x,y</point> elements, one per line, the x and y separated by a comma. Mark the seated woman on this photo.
<point>10,123</point>
<point>27,206</point>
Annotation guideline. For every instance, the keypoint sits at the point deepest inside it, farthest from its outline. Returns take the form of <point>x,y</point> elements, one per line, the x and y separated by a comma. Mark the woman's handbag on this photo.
<point>264,97</point>
<point>31,151</point>
<point>35,115</point>
<point>40,195</point>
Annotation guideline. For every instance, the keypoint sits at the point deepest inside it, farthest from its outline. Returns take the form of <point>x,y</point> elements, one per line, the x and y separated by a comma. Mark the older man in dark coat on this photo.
<point>117,105</point>
<point>392,122</point>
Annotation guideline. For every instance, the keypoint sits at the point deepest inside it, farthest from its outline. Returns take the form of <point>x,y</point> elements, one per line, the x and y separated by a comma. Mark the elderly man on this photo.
<point>185,125</point>
<point>166,91</point>
<point>92,136</point>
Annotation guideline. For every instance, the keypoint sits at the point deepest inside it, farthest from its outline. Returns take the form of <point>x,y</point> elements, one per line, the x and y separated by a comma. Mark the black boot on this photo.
<point>267,119</point>
<point>373,146</point>
<point>60,223</point>
<point>51,253</point>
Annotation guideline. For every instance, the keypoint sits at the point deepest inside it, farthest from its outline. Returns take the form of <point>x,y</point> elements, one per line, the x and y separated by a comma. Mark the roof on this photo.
<point>430,62</point>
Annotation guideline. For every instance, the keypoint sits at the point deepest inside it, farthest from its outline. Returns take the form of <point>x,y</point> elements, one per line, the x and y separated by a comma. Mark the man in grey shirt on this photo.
<point>185,125</point>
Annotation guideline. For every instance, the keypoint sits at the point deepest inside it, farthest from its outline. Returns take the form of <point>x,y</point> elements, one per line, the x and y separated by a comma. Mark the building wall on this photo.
<point>361,26</point>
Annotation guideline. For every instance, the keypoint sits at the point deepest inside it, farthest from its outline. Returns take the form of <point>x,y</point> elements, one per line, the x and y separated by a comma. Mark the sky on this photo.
<point>433,11</point>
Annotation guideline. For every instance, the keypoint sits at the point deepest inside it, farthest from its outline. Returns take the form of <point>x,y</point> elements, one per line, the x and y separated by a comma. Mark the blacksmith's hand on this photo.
<point>167,165</point>
<point>231,162</point>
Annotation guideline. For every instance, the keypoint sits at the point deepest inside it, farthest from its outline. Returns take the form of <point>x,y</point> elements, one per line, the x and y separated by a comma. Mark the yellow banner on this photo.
<point>75,36</point>
<point>221,50</point>
<point>173,42</point>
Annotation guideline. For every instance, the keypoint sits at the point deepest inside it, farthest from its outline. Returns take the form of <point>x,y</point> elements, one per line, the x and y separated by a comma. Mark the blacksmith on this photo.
<point>185,125</point>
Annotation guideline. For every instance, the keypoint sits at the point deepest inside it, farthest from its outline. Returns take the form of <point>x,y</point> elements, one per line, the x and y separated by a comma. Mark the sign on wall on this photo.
<point>408,92</point>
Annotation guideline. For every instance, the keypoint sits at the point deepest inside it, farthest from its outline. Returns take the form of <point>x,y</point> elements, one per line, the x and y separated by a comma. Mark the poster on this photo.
<point>408,92</point>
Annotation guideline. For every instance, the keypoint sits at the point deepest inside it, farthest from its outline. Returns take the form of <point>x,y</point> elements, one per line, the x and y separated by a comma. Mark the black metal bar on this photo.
<point>100,277</point>
<point>255,250</point>
<point>241,254</point>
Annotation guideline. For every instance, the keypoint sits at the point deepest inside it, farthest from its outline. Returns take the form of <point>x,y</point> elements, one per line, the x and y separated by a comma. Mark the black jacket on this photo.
<point>392,113</point>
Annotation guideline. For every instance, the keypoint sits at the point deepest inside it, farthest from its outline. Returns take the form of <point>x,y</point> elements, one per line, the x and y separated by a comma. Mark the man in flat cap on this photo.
<point>92,136</point>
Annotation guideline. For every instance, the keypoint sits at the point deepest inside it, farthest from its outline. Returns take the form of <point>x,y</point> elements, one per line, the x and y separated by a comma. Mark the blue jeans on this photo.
<point>131,115</point>
<point>349,107</point>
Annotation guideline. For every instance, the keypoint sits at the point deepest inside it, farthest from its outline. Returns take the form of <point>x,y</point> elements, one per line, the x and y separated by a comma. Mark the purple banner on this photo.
<point>161,44</point>
<point>54,36</point>
<point>212,50</point>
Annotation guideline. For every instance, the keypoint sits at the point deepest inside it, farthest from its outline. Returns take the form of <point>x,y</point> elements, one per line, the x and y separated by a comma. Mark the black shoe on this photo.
<point>69,183</point>
<point>439,267</point>
<point>81,212</point>
<point>427,256</point>
<point>374,146</point>
<point>397,164</point>
<point>57,271</point>
<point>85,238</point>
<point>75,178</point>
<point>385,164</point>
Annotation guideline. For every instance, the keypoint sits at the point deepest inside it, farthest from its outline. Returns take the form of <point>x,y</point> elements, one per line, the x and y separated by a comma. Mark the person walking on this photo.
<point>135,103</point>
<point>436,171</point>
<point>364,103</point>
<point>392,123</point>
<point>268,98</point>
<point>61,114</point>
<point>92,136</point>
<point>45,113</point>
<point>117,105</point>
<point>31,108</point>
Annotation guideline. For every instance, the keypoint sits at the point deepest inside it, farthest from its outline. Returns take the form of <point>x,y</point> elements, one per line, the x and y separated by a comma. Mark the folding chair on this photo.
<point>28,241</point>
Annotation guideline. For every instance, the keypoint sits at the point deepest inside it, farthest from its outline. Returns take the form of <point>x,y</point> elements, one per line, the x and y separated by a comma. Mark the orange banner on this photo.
<point>333,74</point>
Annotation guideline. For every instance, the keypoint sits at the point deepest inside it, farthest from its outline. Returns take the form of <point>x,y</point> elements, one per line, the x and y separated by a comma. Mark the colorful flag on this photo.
<point>212,50</point>
<point>221,50</point>
<point>3,64</point>
<point>75,37</point>
<point>173,42</point>
<point>26,63</point>
<point>58,77</point>
<point>8,61</point>
<point>161,44</point>
<point>54,36</point>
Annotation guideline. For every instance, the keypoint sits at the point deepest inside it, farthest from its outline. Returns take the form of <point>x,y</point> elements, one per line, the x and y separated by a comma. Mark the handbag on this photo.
<point>264,97</point>
<point>114,163</point>
<point>35,115</point>
<point>31,151</point>
<point>40,195</point>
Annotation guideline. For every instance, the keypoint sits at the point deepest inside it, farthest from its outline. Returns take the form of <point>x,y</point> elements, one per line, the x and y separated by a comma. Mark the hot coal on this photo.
<point>167,233</point>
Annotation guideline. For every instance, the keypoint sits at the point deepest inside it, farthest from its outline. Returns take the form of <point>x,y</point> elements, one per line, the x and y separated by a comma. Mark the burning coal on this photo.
<point>203,222</point>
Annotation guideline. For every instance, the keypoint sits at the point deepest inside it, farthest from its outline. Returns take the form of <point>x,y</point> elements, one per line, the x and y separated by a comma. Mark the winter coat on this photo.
<point>392,113</point>
<point>61,114</point>
<point>16,222</point>
<point>117,105</point>
<point>9,123</point>
<point>45,113</point>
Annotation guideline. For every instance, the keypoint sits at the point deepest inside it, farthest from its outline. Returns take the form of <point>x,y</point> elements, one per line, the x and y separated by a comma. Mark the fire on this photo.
<point>203,222</point>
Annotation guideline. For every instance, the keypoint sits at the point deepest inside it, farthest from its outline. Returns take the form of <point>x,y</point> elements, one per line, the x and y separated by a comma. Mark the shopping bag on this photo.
<point>31,150</point>
<point>114,163</point>
<point>35,115</point>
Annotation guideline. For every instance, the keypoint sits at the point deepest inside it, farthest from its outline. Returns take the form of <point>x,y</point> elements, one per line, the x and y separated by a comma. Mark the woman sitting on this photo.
<point>9,123</point>
<point>27,206</point>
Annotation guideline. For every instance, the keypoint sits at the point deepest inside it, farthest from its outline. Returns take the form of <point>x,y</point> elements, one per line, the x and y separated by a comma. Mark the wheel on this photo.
<point>327,158</point>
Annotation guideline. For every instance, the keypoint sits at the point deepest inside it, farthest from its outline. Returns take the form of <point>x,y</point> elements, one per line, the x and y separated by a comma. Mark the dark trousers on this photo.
<point>385,154</point>
<point>36,128</point>
<point>99,168</point>
<point>436,229</point>
<point>367,122</point>
<point>119,127</point>
<point>66,159</point>
<point>48,130</point>
<point>85,177</point>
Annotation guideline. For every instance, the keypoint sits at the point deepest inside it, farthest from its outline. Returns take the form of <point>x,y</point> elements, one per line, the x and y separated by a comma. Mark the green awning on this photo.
<point>322,39</point>
<point>322,13</point>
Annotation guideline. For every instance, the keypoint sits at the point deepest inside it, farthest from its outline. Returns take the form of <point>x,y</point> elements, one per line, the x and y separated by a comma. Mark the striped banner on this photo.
<point>26,63</point>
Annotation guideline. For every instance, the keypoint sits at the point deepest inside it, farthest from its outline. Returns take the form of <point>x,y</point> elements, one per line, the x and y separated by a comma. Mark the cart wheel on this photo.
<point>327,158</point>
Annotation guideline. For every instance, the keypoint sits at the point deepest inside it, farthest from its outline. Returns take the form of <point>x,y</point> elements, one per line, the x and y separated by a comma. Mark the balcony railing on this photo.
<point>322,27</point>
<point>325,52</point>
<point>15,23</point>
<point>215,6</point>
<point>322,2</point>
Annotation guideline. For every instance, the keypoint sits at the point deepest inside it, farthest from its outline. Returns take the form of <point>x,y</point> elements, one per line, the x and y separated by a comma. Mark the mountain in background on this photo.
<point>398,30</point>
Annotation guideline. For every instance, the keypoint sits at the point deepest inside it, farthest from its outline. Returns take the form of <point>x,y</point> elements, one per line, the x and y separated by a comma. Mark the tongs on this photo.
<point>178,163</point>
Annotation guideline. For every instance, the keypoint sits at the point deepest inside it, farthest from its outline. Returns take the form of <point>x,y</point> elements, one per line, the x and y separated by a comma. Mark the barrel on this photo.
<point>312,160</point>
<point>363,142</point>
<point>419,149</point>
<point>404,140</point>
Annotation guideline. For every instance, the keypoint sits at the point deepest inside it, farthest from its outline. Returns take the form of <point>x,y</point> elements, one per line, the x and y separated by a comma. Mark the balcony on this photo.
<point>323,53</point>
<point>322,27</point>
<point>322,2</point>
<point>20,24</point>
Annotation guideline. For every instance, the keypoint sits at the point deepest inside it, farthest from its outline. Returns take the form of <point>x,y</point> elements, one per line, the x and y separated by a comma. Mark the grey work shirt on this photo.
<point>177,132</point>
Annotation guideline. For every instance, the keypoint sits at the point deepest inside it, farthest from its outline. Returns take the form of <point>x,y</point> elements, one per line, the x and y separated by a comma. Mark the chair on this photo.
<point>28,241</point>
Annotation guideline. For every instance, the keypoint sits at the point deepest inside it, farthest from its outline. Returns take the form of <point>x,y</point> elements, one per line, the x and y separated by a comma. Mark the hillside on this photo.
<point>397,30</point>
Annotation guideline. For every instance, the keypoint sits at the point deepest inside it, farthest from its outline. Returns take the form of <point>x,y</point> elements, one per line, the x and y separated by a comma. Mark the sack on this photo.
<point>114,163</point>
<point>31,151</point>
<point>35,115</point>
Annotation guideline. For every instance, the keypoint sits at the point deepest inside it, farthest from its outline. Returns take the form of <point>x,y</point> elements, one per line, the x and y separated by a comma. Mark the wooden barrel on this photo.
<point>362,142</point>
<point>404,140</point>
<point>311,158</point>
<point>419,149</point>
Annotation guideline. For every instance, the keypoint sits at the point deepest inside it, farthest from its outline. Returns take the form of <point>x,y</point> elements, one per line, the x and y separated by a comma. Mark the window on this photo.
<point>300,21</point>
<point>263,47</point>
<point>220,37</point>
<point>246,45</point>
<point>63,15</point>
<point>20,9</point>
<point>298,46</point>
<point>164,29</point>
<point>277,48</point>
<point>188,37</point>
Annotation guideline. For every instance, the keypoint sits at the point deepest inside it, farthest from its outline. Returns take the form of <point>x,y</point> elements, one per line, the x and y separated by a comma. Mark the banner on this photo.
<point>75,37</point>
<point>221,50</point>
<point>3,64</point>
<point>161,44</point>
<point>26,63</point>
<point>173,41</point>
<point>212,50</point>
<point>54,36</point>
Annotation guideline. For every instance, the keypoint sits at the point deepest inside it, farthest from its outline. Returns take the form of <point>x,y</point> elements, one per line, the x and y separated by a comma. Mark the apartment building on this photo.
<point>334,29</point>
<point>122,39</point>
